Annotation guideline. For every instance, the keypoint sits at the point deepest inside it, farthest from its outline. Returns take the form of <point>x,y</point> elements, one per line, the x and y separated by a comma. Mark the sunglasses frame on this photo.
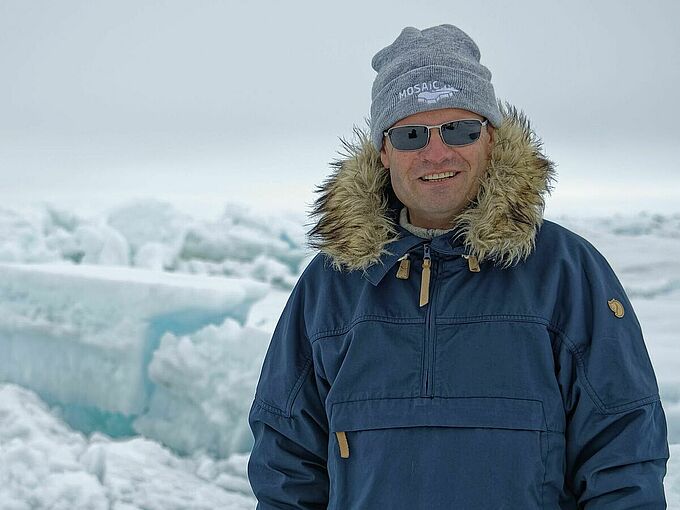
<point>439,128</point>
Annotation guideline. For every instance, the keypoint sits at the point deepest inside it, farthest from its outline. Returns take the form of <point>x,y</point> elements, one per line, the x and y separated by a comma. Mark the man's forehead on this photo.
<point>437,116</point>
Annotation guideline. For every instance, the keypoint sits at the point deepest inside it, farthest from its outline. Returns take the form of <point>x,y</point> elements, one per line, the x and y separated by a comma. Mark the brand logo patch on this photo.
<point>429,92</point>
<point>616,307</point>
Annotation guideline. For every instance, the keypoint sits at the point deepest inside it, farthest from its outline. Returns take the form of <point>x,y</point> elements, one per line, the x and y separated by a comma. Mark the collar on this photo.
<point>447,243</point>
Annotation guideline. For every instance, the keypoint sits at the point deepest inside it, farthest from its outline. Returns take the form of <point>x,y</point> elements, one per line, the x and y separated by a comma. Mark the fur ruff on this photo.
<point>356,223</point>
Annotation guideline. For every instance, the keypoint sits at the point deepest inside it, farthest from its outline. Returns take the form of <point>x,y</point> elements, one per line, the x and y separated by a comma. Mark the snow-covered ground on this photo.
<point>131,344</point>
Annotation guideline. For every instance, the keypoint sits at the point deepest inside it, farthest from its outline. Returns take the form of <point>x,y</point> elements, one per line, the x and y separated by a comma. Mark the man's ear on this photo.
<point>492,134</point>
<point>384,158</point>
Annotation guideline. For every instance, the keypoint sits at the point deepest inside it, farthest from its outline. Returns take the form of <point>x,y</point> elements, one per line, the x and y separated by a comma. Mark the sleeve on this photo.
<point>287,468</point>
<point>616,430</point>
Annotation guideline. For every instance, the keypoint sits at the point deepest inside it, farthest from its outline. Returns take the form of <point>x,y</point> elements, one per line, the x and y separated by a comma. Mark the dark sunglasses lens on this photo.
<point>462,132</point>
<point>409,138</point>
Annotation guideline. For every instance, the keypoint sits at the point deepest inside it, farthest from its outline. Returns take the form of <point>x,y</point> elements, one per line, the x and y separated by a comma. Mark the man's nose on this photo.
<point>436,150</point>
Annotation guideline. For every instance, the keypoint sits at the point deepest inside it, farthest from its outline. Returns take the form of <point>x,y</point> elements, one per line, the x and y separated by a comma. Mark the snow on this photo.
<point>131,344</point>
<point>204,387</point>
<point>152,234</point>
<point>45,464</point>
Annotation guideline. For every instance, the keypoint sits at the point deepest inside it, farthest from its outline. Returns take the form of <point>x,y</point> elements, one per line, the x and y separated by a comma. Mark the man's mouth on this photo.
<point>439,177</point>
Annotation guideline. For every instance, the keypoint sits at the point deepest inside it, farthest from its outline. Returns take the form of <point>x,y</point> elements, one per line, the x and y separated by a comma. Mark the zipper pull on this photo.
<point>404,267</point>
<point>473,263</point>
<point>344,447</point>
<point>425,277</point>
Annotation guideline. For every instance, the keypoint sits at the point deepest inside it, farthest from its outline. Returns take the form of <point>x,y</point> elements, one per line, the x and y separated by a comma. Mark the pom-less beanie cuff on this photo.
<point>436,68</point>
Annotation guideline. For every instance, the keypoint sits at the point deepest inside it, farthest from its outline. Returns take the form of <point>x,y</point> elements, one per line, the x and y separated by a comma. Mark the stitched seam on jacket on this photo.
<point>599,403</point>
<point>545,421</point>
<point>364,318</point>
<point>268,407</point>
<point>438,321</point>
<point>298,385</point>
<point>291,396</point>
<point>493,318</point>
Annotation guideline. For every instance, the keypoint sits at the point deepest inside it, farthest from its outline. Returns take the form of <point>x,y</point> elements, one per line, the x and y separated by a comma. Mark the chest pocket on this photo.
<point>474,452</point>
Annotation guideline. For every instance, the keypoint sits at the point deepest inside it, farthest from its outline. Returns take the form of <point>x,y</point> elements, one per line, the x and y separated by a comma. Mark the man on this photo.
<point>449,348</point>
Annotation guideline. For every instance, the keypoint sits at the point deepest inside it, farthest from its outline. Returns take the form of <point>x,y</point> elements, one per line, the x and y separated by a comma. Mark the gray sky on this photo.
<point>206,102</point>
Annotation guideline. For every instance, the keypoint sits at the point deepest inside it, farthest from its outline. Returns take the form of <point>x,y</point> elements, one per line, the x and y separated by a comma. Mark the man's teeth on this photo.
<point>434,177</point>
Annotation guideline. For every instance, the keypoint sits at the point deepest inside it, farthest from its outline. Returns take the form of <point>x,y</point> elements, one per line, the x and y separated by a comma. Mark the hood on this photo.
<point>358,212</point>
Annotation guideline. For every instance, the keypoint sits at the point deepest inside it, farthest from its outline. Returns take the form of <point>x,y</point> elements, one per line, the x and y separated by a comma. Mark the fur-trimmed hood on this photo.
<point>358,212</point>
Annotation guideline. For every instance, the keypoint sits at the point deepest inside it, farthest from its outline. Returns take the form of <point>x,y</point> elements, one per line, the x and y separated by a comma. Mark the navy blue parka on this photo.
<point>513,376</point>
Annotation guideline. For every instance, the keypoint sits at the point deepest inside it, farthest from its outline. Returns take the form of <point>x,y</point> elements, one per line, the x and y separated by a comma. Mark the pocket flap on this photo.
<point>488,412</point>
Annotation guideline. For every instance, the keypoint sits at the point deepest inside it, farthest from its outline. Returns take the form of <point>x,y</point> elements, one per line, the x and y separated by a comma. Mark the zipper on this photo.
<point>425,276</point>
<point>425,291</point>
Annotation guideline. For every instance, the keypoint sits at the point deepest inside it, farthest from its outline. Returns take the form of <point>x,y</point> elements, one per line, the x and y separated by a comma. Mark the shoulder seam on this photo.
<point>580,365</point>
<point>286,413</point>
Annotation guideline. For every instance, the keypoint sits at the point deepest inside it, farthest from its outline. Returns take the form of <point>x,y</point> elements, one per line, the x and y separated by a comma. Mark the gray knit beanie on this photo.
<point>437,67</point>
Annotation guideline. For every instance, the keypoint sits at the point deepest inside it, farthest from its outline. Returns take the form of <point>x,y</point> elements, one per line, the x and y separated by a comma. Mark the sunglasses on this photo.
<point>455,134</point>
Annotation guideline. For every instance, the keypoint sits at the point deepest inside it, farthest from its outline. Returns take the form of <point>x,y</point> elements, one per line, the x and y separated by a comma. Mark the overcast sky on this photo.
<point>203,102</point>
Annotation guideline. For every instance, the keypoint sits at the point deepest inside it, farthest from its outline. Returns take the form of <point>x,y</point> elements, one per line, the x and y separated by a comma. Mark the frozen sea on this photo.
<point>131,342</point>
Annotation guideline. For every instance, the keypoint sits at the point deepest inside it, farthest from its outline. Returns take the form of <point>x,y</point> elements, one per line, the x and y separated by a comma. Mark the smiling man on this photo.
<point>449,348</point>
<point>436,182</point>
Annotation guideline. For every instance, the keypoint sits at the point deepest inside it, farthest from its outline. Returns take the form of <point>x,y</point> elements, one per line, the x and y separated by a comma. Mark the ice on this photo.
<point>22,238</point>
<point>102,245</point>
<point>161,480</point>
<point>39,458</point>
<point>150,221</point>
<point>63,325</point>
<point>153,255</point>
<point>46,465</point>
<point>204,385</point>
<point>242,244</point>
<point>152,234</point>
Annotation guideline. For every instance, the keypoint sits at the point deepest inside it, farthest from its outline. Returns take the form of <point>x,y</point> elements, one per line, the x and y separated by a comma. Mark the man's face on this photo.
<point>435,204</point>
